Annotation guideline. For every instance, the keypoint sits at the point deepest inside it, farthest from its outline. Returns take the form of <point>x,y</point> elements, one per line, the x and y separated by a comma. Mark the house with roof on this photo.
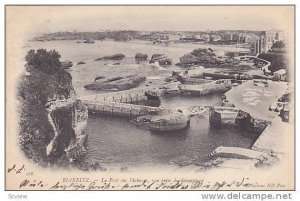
<point>280,74</point>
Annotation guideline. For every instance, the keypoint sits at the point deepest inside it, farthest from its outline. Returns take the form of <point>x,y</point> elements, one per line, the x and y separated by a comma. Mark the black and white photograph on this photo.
<point>150,97</point>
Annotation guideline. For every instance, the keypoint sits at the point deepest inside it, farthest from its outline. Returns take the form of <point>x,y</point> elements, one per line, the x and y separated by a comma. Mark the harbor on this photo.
<point>150,98</point>
<point>186,112</point>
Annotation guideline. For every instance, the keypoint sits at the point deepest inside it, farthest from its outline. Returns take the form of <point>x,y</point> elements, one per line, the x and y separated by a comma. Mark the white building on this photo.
<point>280,74</point>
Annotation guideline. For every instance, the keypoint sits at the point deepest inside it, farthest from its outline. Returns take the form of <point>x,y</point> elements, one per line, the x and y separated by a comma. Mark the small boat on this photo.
<point>197,110</point>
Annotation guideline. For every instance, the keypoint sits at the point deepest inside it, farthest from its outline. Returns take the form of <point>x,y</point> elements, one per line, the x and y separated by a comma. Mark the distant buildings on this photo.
<point>257,45</point>
<point>195,36</point>
<point>173,37</point>
<point>204,37</point>
<point>215,38</point>
<point>265,41</point>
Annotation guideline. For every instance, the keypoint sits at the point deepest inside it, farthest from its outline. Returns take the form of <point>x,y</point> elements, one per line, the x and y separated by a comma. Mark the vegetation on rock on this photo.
<point>44,81</point>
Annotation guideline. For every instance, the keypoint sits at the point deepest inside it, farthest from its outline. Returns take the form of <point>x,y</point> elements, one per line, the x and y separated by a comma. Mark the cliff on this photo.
<point>50,117</point>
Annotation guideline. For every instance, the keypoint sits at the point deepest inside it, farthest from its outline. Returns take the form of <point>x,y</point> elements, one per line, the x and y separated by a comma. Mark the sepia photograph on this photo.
<point>150,97</point>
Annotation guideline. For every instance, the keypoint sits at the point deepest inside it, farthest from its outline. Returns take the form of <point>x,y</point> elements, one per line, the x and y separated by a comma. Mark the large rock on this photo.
<point>80,63</point>
<point>50,119</point>
<point>141,57</point>
<point>203,89</point>
<point>70,122</point>
<point>112,57</point>
<point>205,57</point>
<point>116,83</point>
<point>66,64</point>
<point>171,88</point>
<point>162,59</point>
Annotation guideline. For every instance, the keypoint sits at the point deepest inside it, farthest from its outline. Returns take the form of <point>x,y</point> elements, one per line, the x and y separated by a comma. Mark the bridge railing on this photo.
<point>127,96</point>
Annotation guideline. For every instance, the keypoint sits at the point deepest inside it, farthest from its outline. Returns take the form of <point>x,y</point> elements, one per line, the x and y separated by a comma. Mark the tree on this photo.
<point>43,60</point>
<point>279,44</point>
<point>46,81</point>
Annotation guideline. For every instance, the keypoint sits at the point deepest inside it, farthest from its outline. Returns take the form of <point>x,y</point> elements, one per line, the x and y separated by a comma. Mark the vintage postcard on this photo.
<point>133,97</point>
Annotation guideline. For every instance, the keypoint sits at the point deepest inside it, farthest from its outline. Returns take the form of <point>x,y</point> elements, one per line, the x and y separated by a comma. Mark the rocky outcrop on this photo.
<point>161,59</point>
<point>49,115</point>
<point>112,57</point>
<point>174,77</point>
<point>205,57</point>
<point>171,88</point>
<point>141,57</point>
<point>66,64</point>
<point>116,83</point>
<point>189,76</point>
<point>80,63</point>
<point>69,120</point>
<point>199,56</point>
<point>203,89</point>
<point>153,94</point>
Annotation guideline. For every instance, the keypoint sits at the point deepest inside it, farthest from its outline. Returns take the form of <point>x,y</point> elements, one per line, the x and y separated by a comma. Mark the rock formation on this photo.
<point>141,57</point>
<point>50,119</point>
<point>112,57</point>
<point>80,63</point>
<point>66,64</point>
<point>205,57</point>
<point>116,83</point>
<point>69,121</point>
<point>203,89</point>
<point>161,59</point>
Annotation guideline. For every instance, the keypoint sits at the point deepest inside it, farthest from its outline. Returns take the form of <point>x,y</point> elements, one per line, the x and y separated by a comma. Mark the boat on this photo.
<point>197,110</point>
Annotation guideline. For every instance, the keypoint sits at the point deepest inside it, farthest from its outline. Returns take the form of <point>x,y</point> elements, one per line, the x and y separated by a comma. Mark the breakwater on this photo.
<point>123,109</point>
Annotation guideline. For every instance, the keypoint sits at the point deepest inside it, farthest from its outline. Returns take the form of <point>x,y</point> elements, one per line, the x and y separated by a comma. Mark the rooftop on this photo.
<point>281,72</point>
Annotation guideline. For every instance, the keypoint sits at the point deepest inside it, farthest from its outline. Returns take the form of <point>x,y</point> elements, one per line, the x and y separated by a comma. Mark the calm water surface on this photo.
<point>115,141</point>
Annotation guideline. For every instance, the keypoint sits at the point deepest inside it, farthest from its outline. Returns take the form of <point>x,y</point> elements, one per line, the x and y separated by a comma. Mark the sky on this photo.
<point>45,19</point>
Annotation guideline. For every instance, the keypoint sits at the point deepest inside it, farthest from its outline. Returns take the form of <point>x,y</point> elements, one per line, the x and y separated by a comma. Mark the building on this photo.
<point>227,36</point>
<point>271,37</point>
<point>280,74</point>
<point>174,37</point>
<point>264,42</point>
<point>204,37</point>
<point>257,45</point>
<point>214,38</point>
